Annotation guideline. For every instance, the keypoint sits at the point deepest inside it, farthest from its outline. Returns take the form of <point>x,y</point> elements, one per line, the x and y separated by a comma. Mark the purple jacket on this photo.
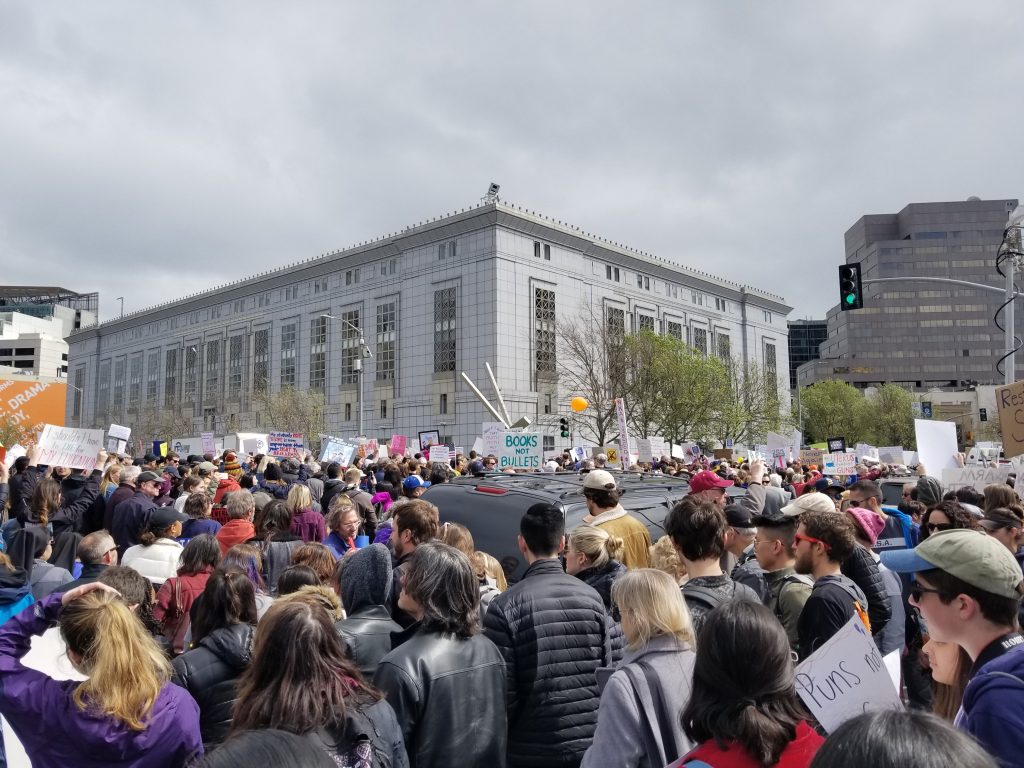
<point>308,525</point>
<point>55,732</point>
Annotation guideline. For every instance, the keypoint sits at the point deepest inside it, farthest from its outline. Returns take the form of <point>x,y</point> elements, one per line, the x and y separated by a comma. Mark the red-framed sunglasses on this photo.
<point>811,540</point>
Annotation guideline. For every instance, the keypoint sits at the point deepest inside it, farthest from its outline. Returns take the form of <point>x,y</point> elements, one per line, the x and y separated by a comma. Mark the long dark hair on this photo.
<point>274,519</point>
<point>45,500</point>
<point>229,598</point>
<point>300,678</point>
<point>749,698</point>
<point>441,580</point>
<point>201,552</point>
<point>267,747</point>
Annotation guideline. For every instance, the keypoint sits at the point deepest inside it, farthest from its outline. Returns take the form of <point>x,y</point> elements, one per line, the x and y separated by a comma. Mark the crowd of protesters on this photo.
<point>218,610</point>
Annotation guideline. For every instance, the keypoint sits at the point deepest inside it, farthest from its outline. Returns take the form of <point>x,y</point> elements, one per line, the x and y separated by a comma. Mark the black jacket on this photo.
<point>367,635</point>
<point>19,499</point>
<point>449,696</point>
<point>602,579</point>
<point>554,632</point>
<point>862,570</point>
<point>827,610</point>
<point>130,519</point>
<point>332,488</point>
<point>68,516</point>
<point>210,672</point>
<point>400,617</point>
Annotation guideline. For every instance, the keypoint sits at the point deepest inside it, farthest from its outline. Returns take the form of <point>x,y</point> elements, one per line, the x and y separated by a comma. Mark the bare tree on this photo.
<point>294,410</point>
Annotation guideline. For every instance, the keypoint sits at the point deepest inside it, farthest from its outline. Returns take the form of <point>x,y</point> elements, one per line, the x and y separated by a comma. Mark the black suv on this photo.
<point>492,505</point>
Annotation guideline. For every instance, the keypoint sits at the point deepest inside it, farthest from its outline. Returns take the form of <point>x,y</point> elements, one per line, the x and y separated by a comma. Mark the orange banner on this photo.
<point>26,405</point>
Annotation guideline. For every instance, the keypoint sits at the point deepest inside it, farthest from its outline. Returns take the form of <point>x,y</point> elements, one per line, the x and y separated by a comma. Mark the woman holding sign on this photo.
<point>744,711</point>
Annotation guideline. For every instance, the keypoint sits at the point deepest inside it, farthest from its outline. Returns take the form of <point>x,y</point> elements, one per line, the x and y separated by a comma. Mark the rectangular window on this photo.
<point>170,378</point>
<point>387,338</point>
<point>547,443</point>
<point>152,378</point>
<point>320,285</point>
<point>769,360</point>
<point>261,361</point>
<point>647,283</point>
<point>211,390</point>
<point>442,406</point>
<point>76,394</point>
<point>547,403</point>
<point>724,345</point>
<point>349,346</point>
<point>383,409</point>
<point>645,323</point>
<point>536,249</point>
<point>289,332</point>
<point>544,330</point>
<point>352,277</point>
<point>348,411</point>
<point>617,274</point>
<point>444,330</point>
<point>700,340</point>
<point>103,396</point>
<point>547,252</point>
<point>135,383</point>
<point>120,368</point>
<point>615,322</point>
<point>639,280</point>
<point>608,271</point>
<point>451,248</point>
<point>237,360</point>
<point>191,372</point>
<point>441,250</point>
<point>675,330</point>
<point>318,354</point>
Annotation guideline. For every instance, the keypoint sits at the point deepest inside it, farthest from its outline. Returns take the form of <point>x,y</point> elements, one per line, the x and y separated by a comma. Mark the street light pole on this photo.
<point>357,366</point>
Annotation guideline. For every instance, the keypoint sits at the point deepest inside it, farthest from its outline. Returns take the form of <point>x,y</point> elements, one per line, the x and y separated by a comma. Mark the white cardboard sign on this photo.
<point>438,454</point>
<point>839,464</point>
<point>974,477</point>
<point>845,677</point>
<point>120,433</point>
<point>521,450</point>
<point>936,445</point>
<point>68,447</point>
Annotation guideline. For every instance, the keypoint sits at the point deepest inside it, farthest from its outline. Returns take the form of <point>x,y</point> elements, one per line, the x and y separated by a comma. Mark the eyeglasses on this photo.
<point>811,540</point>
<point>933,527</point>
<point>917,592</point>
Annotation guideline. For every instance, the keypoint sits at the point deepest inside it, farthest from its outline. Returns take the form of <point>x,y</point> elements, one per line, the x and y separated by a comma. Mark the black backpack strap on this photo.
<point>705,596</point>
<point>655,754</point>
<point>665,718</point>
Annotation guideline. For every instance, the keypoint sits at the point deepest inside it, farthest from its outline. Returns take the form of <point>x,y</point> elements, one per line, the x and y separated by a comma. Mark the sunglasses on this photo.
<point>933,527</point>
<point>917,592</point>
<point>811,540</point>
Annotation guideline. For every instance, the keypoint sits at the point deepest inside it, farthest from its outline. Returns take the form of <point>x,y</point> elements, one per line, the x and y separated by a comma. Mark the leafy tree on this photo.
<point>831,409</point>
<point>890,416</point>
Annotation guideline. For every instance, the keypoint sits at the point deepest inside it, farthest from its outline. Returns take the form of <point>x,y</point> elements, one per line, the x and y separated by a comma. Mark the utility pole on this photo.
<point>357,366</point>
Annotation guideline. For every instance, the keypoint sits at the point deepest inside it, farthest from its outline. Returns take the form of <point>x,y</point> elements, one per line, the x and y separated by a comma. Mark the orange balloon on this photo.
<point>579,404</point>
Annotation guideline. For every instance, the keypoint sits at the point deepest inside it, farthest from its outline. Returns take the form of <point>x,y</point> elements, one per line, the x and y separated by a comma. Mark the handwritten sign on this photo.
<point>398,443</point>
<point>13,453</point>
<point>973,477</point>
<point>658,448</point>
<point>285,445</point>
<point>891,454</point>
<point>624,444</point>
<point>209,442</point>
<point>116,446</point>
<point>67,447</point>
<point>643,450</point>
<point>372,447</point>
<point>1010,403</point>
<point>839,464</point>
<point>118,432</point>
<point>845,677</point>
<point>438,454</point>
<point>865,451</point>
<point>521,450</point>
<point>493,434</point>
<point>811,457</point>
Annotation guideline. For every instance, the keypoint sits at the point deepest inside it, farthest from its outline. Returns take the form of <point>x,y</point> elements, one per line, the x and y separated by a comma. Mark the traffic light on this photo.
<point>850,296</point>
<point>983,414</point>
<point>563,425</point>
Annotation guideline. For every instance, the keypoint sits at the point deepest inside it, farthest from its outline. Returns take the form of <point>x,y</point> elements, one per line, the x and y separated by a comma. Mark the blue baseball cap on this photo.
<point>415,481</point>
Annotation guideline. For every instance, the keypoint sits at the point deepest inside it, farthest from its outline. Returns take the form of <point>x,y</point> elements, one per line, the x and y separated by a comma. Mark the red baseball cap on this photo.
<point>705,481</point>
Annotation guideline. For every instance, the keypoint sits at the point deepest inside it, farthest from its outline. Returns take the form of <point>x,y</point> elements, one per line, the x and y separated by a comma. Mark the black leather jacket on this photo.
<point>367,634</point>
<point>449,696</point>
<point>210,672</point>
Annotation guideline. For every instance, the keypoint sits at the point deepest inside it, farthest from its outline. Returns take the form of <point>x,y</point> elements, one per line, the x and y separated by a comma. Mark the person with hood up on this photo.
<point>221,650</point>
<point>126,714</point>
<point>365,591</point>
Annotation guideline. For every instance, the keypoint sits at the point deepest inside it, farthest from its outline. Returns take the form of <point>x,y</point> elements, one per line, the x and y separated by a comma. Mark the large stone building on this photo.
<point>483,285</point>
<point>34,322</point>
<point>919,334</point>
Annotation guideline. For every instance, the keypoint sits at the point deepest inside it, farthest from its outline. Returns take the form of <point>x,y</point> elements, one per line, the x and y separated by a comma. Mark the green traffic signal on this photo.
<point>850,294</point>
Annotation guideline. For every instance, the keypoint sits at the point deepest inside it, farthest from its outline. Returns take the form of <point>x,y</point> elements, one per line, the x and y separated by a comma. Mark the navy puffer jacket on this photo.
<point>554,632</point>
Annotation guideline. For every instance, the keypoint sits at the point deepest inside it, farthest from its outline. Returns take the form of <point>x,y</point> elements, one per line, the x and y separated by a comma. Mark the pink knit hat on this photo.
<point>868,522</point>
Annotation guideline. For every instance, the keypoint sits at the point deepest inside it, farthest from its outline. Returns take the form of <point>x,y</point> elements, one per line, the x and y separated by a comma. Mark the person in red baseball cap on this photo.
<point>709,487</point>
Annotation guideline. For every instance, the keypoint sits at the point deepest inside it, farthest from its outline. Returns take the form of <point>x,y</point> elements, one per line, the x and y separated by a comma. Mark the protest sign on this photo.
<point>372,446</point>
<point>910,458</point>
<point>1010,404</point>
<point>836,444</point>
<point>624,444</point>
<point>643,450</point>
<point>382,451</point>
<point>397,445</point>
<point>160,447</point>
<point>438,454</point>
<point>478,446</point>
<point>491,433</point>
<point>520,450</point>
<point>428,438</point>
<point>777,442</point>
<point>68,447</point>
<point>252,445</point>
<point>116,446</point>
<point>973,477</point>
<point>839,464</point>
<point>339,451</point>
<point>891,454</point>
<point>811,457</point>
<point>658,448</point>
<point>936,445</point>
<point>610,451</point>
<point>13,453</point>
<point>845,677</point>
<point>678,452</point>
<point>209,442</point>
<point>579,453</point>
<point>796,440</point>
<point>285,445</point>
<point>120,433</point>
<point>864,451</point>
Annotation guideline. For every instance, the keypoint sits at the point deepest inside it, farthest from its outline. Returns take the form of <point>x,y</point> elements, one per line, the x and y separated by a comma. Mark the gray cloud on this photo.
<point>153,152</point>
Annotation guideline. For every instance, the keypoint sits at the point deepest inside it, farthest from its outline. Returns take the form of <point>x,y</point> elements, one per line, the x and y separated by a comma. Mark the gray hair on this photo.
<point>130,474</point>
<point>92,548</point>
<point>240,504</point>
<point>440,579</point>
<point>775,480</point>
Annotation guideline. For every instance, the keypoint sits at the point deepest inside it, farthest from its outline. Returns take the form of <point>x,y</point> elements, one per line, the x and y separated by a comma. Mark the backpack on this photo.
<point>705,597</point>
<point>355,744</point>
<point>848,587</point>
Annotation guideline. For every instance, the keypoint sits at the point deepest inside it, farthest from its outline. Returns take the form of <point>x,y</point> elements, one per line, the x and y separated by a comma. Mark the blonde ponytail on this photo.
<point>126,668</point>
<point>597,544</point>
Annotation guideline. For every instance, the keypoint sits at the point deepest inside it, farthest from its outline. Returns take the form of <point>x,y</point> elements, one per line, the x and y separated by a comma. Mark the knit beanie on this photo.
<point>366,578</point>
<point>929,491</point>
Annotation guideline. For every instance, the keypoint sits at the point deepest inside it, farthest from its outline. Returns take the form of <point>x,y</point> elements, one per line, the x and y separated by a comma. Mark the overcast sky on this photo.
<point>153,150</point>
